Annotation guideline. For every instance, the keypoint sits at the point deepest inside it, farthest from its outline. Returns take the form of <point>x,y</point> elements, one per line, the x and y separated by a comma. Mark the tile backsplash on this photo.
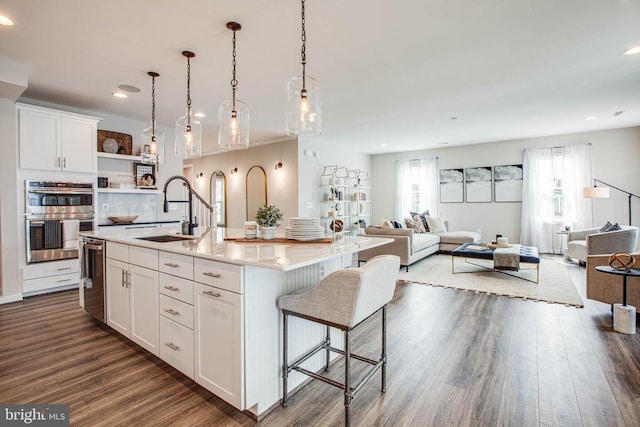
<point>125,204</point>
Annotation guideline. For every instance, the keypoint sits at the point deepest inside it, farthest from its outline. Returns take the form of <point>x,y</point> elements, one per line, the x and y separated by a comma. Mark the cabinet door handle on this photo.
<point>65,268</point>
<point>128,279</point>
<point>124,280</point>
<point>64,162</point>
<point>171,288</point>
<point>171,264</point>
<point>172,312</point>
<point>64,280</point>
<point>211,294</point>
<point>172,346</point>
<point>214,275</point>
<point>58,162</point>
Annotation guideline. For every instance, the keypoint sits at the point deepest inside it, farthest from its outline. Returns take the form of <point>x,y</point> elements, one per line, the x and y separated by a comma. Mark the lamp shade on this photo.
<point>188,141</point>
<point>152,141</point>
<point>595,192</point>
<point>304,115</point>
<point>233,133</point>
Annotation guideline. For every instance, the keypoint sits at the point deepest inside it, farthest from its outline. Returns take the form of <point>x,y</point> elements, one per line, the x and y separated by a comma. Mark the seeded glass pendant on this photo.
<point>188,139</point>
<point>233,114</point>
<point>152,139</point>
<point>303,115</point>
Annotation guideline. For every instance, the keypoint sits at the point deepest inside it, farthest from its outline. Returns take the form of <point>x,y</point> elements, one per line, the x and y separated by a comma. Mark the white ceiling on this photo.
<point>391,72</point>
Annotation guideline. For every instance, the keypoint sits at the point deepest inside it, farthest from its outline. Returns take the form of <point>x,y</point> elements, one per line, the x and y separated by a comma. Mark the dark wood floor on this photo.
<point>455,358</point>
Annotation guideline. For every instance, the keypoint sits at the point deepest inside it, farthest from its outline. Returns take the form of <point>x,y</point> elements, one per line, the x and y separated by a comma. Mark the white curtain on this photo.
<point>552,194</point>
<point>416,187</point>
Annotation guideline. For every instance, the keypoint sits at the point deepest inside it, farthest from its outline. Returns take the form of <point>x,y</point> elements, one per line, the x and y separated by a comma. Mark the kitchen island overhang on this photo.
<point>266,272</point>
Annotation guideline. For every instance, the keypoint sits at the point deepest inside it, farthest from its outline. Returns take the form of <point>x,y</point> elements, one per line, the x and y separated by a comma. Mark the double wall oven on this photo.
<point>55,213</point>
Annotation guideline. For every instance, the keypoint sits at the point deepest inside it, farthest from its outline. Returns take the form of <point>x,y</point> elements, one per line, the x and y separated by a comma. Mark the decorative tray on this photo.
<point>125,144</point>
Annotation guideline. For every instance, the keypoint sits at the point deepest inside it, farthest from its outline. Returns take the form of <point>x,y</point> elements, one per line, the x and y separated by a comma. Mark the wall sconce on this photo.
<point>200,175</point>
<point>278,166</point>
<point>234,171</point>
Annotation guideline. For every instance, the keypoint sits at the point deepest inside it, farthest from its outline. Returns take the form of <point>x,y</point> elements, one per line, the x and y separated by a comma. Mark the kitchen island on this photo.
<point>208,306</point>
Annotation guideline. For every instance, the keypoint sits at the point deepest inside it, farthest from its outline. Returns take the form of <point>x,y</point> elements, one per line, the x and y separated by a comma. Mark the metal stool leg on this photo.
<point>328,344</point>
<point>285,367</point>
<point>347,384</point>
<point>384,348</point>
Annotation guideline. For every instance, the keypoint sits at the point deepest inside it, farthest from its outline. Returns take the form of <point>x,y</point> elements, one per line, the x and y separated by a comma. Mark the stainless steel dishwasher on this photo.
<point>93,277</point>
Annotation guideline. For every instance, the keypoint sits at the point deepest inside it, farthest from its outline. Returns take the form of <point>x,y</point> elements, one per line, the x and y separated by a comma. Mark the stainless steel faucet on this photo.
<point>192,223</point>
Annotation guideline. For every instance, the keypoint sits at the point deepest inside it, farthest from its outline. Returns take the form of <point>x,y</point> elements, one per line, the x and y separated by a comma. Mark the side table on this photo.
<point>564,235</point>
<point>624,316</point>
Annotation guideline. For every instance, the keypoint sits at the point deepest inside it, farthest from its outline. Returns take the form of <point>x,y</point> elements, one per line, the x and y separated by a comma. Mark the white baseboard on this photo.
<point>10,298</point>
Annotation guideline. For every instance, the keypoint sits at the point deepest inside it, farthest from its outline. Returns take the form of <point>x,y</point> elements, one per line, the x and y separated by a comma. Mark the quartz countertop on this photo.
<point>209,243</point>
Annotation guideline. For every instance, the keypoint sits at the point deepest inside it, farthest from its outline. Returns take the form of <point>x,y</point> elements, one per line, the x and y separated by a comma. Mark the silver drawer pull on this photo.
<point>64,280</point>
<point>211,294</point>
<point>172,346</point>
<point>172,312</point>
<point>214,275</point>
<point>64,268</point>
<point>171,288</point>
<point>171,264</point>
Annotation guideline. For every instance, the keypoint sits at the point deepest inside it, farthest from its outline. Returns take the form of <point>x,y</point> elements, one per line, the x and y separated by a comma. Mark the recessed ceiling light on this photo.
<point>453,118</point>
<point>590,118</point>
<point>383,145</point>
<point>6,21</point>
<point>617,113</point>
<point>199,114</point>
<point>119,94</point>
<point>129,88</point>
<point>632,50</point>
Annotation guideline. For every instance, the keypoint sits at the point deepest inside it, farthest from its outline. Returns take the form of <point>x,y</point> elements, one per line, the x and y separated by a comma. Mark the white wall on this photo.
<point>282,185</point>
<point>614,160</point>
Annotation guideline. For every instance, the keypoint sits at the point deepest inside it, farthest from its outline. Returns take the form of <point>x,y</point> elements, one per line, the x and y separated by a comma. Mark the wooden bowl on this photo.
<point>123,219</point>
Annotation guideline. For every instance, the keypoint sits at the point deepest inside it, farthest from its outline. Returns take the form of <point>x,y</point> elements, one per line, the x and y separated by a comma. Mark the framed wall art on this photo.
<point>508,183</point>
<point>451,185</point>
<point>478,184</point>
<point>145,175</point>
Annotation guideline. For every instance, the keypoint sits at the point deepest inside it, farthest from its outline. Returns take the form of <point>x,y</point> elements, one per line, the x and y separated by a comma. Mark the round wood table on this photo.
<point>624,317</point>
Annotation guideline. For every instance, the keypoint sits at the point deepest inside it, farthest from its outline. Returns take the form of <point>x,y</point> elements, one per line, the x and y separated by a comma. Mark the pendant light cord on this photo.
<point>153,108</point>
<point>234,81</point>
<point>188,93</point>
<point>304,52</point>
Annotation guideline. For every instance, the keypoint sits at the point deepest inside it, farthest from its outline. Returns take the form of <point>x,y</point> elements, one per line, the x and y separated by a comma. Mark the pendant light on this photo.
<point>152,139</point>
<point>303,116</point>
<point>188,130</point>
<point>233,114</point>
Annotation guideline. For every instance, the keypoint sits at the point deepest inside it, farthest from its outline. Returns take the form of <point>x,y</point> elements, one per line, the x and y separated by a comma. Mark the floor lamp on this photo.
<point>596,192</point>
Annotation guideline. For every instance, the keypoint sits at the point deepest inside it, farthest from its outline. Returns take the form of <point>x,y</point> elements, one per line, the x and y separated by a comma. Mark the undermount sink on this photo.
<point>166,238</point>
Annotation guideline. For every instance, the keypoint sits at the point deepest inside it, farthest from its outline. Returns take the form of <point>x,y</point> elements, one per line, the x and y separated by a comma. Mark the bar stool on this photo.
<point>343,300</point>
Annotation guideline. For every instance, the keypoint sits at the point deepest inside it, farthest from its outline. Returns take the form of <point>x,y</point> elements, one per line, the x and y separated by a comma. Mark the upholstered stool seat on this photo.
<point>343,300</point>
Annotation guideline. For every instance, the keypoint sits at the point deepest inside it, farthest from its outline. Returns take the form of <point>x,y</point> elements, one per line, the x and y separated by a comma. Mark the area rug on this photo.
<point>556,285</point>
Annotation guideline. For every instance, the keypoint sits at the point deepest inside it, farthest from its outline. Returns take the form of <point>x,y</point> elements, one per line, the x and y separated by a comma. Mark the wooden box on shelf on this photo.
<point>124,141</point>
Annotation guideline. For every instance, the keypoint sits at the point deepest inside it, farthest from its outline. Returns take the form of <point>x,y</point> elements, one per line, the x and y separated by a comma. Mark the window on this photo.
<point>416,187</point>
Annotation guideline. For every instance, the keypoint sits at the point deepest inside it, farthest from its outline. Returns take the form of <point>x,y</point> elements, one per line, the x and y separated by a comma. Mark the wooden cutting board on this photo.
<point>278,240</point>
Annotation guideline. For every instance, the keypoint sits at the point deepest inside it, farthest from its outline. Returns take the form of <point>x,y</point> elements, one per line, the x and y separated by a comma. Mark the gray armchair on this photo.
<point>581,243</point>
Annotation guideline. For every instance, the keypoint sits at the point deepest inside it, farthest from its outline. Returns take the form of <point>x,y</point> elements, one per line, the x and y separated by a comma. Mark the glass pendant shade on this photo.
<point>152,141</point>
<point>303,116</point>
<point>233,133</point>
<point>188,137</point>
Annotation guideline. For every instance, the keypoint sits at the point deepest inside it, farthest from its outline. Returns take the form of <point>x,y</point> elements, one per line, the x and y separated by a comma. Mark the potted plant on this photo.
<point>268,217</point>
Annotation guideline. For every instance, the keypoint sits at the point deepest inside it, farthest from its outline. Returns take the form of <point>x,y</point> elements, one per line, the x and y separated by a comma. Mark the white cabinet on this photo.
<point>219,342</point>
<point>56,140</point>
<point>45,276</point>
<point>132,294</point>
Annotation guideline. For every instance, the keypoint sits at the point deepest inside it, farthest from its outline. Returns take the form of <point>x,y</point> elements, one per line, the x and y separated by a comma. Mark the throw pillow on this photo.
<point>614,227</point>
<point>606,227</point>
<point>423,216</point>
<point>436,224</point>
<point>385,223</point>
<point>396,224</point>
<point>415,224</point>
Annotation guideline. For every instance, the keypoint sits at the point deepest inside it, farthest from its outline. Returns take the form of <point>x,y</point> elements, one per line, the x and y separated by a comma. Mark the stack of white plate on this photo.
<point>304,229</point>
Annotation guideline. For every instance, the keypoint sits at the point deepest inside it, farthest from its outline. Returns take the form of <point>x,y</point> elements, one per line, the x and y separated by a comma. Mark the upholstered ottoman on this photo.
<point>450,240</point>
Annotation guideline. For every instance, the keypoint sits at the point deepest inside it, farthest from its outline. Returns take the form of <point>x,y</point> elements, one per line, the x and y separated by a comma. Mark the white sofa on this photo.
<point>411,247</point>
<point>582,243</point>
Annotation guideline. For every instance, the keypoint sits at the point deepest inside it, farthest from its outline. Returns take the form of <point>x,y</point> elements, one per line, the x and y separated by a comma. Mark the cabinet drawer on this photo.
<point>47,269</point>
<point>177,311</point>
<point>176,346</point>
<point>224,276</point>
<point>118,251</point>
<point>176,265</point>
<point>50,282</point>
<point>176,287</point>
<point>144,257</point>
